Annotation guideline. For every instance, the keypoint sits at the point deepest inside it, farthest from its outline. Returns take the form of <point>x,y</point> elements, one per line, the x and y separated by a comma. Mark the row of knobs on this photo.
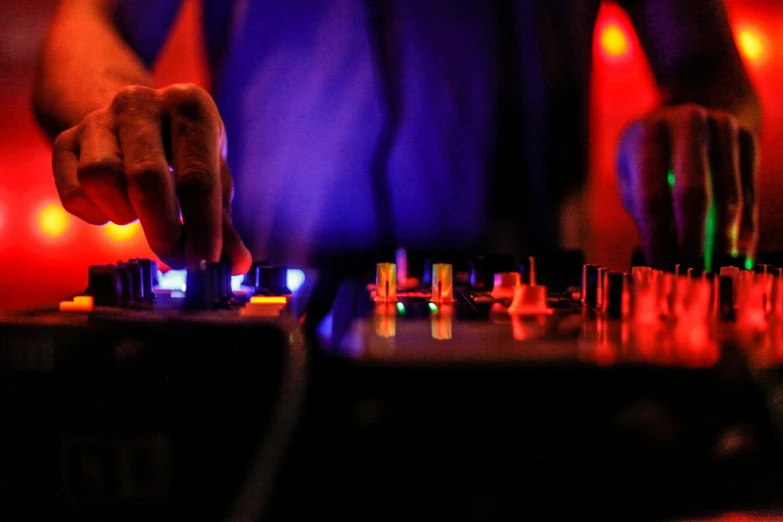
<point>126,283</point>
<point>525,297</point>
<point>648,294</point>
<point>131,283</point>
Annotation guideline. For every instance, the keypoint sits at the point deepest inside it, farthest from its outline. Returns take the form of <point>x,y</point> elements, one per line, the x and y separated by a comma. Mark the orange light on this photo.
<point>80,303</point>
<point>751,43</point>
<point>53,220</point>
<point>122,232</point>
<point>614,41</point>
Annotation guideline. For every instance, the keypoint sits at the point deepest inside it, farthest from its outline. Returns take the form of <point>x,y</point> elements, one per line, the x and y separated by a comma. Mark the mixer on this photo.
<point>469,388</point>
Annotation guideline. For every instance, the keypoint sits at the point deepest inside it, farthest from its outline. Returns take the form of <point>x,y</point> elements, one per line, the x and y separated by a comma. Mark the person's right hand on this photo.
<point>154,155</point>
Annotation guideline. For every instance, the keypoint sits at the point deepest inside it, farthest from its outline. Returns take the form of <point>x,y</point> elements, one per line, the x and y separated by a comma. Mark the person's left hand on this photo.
<point>711,161</point>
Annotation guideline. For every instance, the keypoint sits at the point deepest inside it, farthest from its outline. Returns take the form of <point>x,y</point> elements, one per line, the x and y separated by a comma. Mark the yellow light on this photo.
<point>264,299</point>
<point>751,44</point>
<point>614,41</point>
<point>122,232</point>
<point>53,220</point>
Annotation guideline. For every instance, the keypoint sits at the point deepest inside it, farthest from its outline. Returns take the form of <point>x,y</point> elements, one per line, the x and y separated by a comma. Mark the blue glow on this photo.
<point>294,279</point>
<point>172,280</point>
<point>236,282</point>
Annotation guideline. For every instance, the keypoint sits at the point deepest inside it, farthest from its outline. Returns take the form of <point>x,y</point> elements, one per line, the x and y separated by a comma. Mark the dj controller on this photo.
<point>469,389</point>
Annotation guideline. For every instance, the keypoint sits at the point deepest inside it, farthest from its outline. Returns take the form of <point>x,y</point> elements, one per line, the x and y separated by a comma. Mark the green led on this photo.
<point>709,237</point>
<point>433,307</point>
<point>670,178</point>
<point>401,308</point>
<point>748,263</point>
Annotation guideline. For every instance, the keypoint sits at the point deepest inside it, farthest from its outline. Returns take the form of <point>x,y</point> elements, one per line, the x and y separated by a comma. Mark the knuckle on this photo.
<point>132,97</point>
<point>190,101</point>
<point>693,117</point>
<point>195,181</point>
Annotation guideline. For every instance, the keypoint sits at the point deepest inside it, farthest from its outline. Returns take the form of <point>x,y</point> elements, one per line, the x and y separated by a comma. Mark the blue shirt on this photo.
<point>355,125</point>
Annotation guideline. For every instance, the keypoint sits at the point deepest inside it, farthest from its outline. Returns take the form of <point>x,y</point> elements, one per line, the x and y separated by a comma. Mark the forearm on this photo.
<point>84,62</point>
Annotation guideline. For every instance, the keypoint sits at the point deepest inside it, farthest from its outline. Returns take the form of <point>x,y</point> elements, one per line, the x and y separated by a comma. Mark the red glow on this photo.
<point>614,40</point>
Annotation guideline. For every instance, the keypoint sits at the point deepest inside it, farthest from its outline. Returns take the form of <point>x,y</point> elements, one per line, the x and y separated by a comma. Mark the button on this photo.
<point>529,300</point>
<point>149,272</point>
<point>616,294</point>
<point>386,282</point>
<point>104,285</point>
<point>272,280</point>
<point>504,285</point>
<point>589,284</point>
<point>198,292</point>
<point>442,283</point>
<point>80,303</point>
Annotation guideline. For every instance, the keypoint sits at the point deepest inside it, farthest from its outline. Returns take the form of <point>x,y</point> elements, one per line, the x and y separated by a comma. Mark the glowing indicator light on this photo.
<point>614,41</point>
<point>172,280</point>
<point>236,282</point>
<point>80,303</point>
<point>294,279</point>
<point>53,220</point>
<point>268,299</point>
<point>122,232</point>
<point>401,308</point>
<point>433,308</point>
<point>748,263</point>
<point>751,43</point>
<point>670,179</point>
<point>709,237</point>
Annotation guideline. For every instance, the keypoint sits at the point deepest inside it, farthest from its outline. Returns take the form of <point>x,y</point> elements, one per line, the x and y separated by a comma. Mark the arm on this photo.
<point>693,56</point>
<point>86,61</point>
<point>704,134</point>
<point>118,139</point>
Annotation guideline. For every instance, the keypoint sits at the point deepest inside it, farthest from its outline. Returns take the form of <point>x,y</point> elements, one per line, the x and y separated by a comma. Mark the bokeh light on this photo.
<point>53,220</point>
<point>122,232</point>
<point>614,41</point>
<point>752,44</point>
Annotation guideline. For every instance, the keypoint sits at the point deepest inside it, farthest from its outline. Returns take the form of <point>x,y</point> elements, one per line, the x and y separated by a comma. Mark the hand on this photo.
<point>713,160</point>
<point>153,155</point>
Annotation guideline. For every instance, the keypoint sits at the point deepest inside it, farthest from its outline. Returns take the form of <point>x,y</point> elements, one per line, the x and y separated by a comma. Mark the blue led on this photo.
<point>172,280</point>
<point>294,279</point>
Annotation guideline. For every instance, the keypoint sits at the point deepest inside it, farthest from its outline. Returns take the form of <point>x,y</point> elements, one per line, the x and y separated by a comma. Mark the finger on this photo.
<point>748,228</point>
<point>195,137</point>
<point>726,189</point>
<point>234,248</point>
<point>691,193</point>
<point>150,185</point>
<point>100,170</point>
<point>65,163</point>
<point>645,165</point>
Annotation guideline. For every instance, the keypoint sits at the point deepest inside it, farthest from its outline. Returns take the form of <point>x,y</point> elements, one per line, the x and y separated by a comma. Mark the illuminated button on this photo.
<point>386,282</point>
<point>529,300</point>
<point>104,285</point>
<point>599,288</point>
<point>264,306</point>
<point>504,284</point>
<point>751,301</point>
<point>528,271</point>
<point>81,303</point>
<point>442,283</point>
